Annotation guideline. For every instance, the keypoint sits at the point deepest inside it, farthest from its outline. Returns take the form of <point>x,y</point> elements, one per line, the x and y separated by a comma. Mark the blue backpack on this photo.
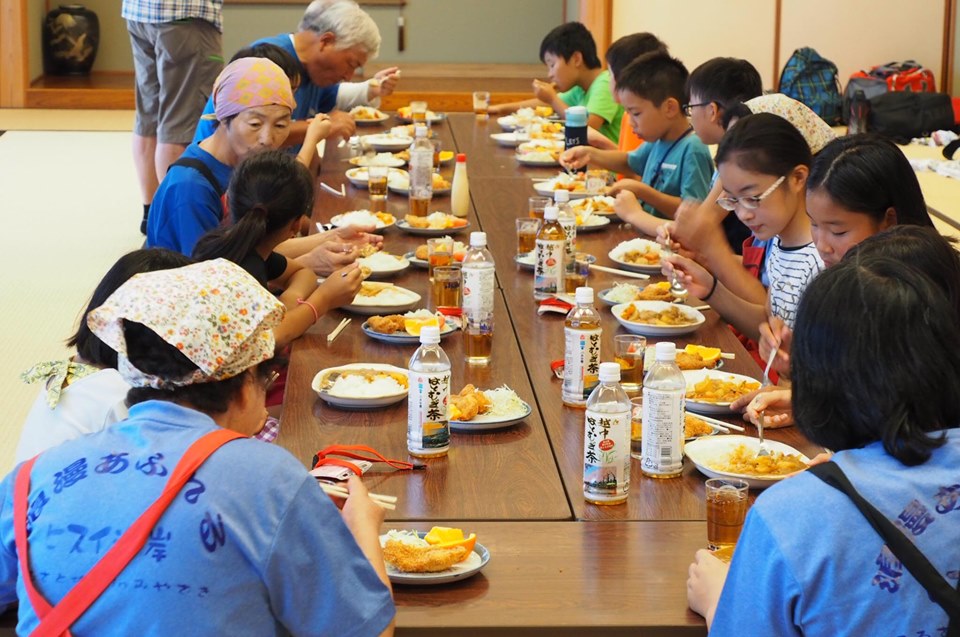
<point>813,80</point>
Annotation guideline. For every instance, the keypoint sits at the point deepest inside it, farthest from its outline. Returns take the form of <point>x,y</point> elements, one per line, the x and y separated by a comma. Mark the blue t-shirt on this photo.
<point>251,546</point>
<point>680,168</point>
<point>311,99</point>
<point>808,562</point>
<point>186,206</point>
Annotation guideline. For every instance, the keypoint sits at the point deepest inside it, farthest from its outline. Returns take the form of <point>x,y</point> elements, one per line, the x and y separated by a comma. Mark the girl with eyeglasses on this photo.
<point>764,163</point>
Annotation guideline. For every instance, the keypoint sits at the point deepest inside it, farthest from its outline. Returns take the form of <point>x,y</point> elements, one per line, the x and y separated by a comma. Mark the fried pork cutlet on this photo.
<point>422,559</point>
<point>688,361</point>
<point>389,324</point>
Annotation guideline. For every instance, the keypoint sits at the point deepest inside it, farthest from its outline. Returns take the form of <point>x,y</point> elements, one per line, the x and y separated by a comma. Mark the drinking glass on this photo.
<point>377,182</point>
<point>726,509</point>
<point>536,206</point>
<point>446,289</point>
<point>576,274</point>
<point>527,230</point>
<point>418,112</point>
<point>630,350</point>
<point>636,426</point>
<point>481,103</point>
<point>439,253</point>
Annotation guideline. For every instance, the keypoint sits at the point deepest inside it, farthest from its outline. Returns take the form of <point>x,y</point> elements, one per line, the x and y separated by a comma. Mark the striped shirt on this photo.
<point>160,11</point>
<point>790,270</point>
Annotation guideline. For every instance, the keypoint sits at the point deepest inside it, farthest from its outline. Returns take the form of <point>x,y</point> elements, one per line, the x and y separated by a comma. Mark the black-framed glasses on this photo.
<point>748,203</point>
<point>688,108</point>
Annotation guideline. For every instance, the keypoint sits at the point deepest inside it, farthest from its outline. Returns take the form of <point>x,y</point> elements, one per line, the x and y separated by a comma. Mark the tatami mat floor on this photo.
<point>70,207</point>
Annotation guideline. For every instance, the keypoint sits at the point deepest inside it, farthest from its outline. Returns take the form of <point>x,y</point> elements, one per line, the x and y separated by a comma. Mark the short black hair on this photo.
<point>764,143</point>
<point>874,359</point>
<point>656,77</point>
<point>725,82</point>
<point>288,64</point>
<point>570,38</point>
<point>89,346</point>
<point>628,48</point>
<point>869,174</point>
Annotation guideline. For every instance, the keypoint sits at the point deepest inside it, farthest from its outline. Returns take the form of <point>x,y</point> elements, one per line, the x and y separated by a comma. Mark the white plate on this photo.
<point>371,122</point>
<point>546,189</point>
<point>368,309</point>
<point>702,407</point>
<point>402,187</point>
<point>485,423</point>
<point>528,261</point>
<point>412,258</point>
<point>711,449</point>
<point>535,159</point>
<point>350,402</point>
<point>430,232</point>
<point>401,265</point>
<point>385,159</point>
<point>594,227</point>
<point>470,566</point>
<point>589,203</point>
<point>603,296</point>
<point>359,176</point>
<point>380,224</point>
<point>403,338</point>
<point>507,139</point>
<point>383,142</point>
<point>432,118</point>
<point>552,144</point>
<point>658,330</point>
<point>616,255</point>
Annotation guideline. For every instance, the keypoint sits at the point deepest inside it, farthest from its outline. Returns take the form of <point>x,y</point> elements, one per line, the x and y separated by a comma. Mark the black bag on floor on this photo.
<point>902,116</point>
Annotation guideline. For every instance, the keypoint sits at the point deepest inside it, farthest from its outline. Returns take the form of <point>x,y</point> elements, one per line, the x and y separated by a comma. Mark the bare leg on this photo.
<point>144,149</point>
<point>165,155</point>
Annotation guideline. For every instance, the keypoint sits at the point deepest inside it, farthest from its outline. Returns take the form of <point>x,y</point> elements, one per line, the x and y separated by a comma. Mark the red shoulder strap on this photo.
<point>57,620</point>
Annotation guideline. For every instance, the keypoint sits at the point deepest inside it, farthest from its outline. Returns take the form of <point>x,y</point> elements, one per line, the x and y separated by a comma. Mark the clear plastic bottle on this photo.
<point>606,440</point>
<point>479,285</point>
<point>421,173</point>
<point>548,268</point>
<point>581,354</point>
<point>428,419</point>
<point>567,219</point>
<point>575,130</point>
<point>460,195</point>
<point>664,388</point>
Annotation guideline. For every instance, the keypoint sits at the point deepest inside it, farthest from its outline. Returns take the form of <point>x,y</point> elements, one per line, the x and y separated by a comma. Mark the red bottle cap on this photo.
<point>461,157</point>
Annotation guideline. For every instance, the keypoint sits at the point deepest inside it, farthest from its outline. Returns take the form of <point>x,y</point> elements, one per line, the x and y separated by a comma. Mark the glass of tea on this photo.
<point>536,205</point>
<point>527,230</point>
<point>576,273</point>
<point>418,112</point>
<point>629,350</point>
<point>478,337</point>
<point>446,289</point>
<point>377,182</point>
<point>636,426</point>
<point>727,506</point>
<point>481,103</point>
<point>439,253</point>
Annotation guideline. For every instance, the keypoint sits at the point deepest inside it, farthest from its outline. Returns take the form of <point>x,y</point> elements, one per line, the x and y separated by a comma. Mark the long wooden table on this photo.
<point>555,568</point>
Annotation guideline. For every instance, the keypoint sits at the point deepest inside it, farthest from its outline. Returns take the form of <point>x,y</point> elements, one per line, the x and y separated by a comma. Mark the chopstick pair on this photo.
<point>629,275</point>
<point>336,332</point>
<point>388,502</point>
<point>333,191</point>
<point>719,424</point>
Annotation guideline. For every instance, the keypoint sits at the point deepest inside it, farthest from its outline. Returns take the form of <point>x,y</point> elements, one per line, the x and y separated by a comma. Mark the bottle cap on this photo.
<point>355,140</point>
<point>666,351</point>
<point>584,296</point>
<point>577,116</point>
<point>478,239</point>
<point>561,196</point>
<point>609,372</point>
<point>429,335</point>
<point>550,213</point>
<point>461,158</point>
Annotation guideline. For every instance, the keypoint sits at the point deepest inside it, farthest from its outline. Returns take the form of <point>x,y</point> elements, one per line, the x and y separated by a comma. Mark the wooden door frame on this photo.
<point>597,16</point>
<point>14,62</point>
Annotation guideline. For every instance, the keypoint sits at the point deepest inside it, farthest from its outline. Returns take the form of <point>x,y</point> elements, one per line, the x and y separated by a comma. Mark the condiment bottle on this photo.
<point>664,389</point>
<point>548,269</point>
<point>428,419</point>
<point>606,440</point>
<point>581,357</point>
<point>421,173</point>
<point>575,130</point>
<point>479,284</point>
<point>460,197</point>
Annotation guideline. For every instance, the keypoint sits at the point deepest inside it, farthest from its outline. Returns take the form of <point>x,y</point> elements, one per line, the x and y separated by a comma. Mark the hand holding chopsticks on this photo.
<point>388,502</point>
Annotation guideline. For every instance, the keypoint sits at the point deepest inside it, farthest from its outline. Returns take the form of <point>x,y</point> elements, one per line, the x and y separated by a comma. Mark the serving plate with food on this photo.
<point>439,556</point>
<point>574,183</point>
<point>379,220</point>
<point>404,329</point>
<point>387,141</point>
<point>734,456</point>
<point>538,158</point>
<point>711,392</point>
<point>390,160</point>
<point>367,115</point>
<point>419,256</point>
<point>435,224</point>
<point>404,114</point>
<point>592,223</point>
<point>383,264</point>
<point>657,318</point>
<point>361,385</point>
<point>596,205</point>
<point>637,255</point>
<point>382,298</point>
<point>693,427</point>
<point>400,184</point>
<point>359,176</point>
<point>627,292</point>
<point>482,410</point>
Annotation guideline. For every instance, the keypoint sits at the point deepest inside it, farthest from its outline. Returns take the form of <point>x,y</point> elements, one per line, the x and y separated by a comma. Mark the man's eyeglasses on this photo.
<point>688,108</point>
<point>748,203</point>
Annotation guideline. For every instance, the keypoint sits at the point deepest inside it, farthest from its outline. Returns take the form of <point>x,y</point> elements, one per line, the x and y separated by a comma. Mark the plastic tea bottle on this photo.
<point>568,219</point>
<point>548,268</point>
<point>421,173</point>
<point>477,292</point>
<point>428,420</point>
<point>460,196</point>
<point>581,355</point>
<point>664,388</point>
<point>575,129</point>
<point>606,440</point>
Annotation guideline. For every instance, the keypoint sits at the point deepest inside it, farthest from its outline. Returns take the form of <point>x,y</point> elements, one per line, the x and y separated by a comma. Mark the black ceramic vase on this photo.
<point>71,34</point>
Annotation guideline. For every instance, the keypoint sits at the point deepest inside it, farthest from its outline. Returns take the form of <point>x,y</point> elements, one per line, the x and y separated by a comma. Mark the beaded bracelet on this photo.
<point>316,315</point>
<point>713,288</point>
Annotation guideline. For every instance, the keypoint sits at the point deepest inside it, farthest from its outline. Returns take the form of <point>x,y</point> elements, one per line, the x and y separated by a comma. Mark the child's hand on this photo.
<point>626,206</point>
<point>775,402</point>
<point>342,125</point>
<point>692,275</point>
<point>576,157</point>
<point>544,91</point>
<point>773,333</point>
<point>633,185</point>
<point>358,236</point>
<point>705,580</point>
<point>342,286</point>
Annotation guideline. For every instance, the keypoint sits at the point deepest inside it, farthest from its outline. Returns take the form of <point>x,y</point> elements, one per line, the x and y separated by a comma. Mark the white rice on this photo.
<point>623,293</point>
<point>639,245</point>
<point>386,296</point>
<point>356,386</point>
<point>359,218</point>
<point>380,261</point>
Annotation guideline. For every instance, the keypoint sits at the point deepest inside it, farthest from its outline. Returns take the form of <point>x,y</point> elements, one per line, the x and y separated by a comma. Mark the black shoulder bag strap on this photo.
<point>203,169</point>
<point>906,551</point>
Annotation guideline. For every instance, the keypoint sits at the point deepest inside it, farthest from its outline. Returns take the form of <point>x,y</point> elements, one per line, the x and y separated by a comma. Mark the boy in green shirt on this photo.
<point>570,54</point>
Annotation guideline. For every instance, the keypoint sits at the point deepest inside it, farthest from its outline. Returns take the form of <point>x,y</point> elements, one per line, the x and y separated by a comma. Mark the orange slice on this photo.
<point>710,355</point>
<point>445,537</point>
<point>414,325</point>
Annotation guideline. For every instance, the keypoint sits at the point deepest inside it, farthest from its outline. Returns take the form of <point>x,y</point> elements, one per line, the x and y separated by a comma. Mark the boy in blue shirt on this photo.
<point>673,165</point>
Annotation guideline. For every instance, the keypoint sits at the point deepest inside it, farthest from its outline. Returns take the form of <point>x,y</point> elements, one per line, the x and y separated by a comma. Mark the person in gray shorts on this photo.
<point>177,55</point>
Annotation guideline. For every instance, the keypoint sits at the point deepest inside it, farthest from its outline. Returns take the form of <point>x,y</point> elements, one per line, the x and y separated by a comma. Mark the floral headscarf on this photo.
<point>816,131</point>
<point>214,312</point>
<point>250,82</point>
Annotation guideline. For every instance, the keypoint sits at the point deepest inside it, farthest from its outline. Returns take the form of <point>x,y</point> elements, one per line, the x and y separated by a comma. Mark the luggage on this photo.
<point>902,116</point>
<point>809,78</point>
<point>891,77</point>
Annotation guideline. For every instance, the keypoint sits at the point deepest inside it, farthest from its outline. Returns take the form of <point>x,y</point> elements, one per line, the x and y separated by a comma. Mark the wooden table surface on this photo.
<point>520,489</point>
